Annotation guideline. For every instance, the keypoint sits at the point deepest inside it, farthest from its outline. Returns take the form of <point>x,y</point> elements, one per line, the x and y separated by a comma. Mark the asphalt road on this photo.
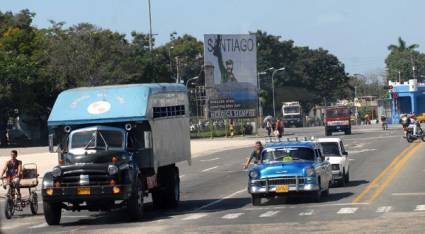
<point>386,194</point>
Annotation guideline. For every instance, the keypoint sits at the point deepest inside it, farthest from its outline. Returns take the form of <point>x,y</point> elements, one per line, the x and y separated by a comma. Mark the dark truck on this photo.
<point>337,119</point>
<point>116,144</point>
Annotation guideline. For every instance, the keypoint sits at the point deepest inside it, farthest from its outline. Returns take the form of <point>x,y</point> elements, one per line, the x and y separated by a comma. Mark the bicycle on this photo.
<point>29,180</point>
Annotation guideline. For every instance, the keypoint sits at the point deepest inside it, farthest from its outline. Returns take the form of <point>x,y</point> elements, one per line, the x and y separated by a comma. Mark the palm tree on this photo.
<point>402,46</point>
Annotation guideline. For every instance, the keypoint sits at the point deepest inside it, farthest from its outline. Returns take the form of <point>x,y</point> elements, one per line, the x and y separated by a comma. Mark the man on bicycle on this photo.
<point>13,170</point>
<point>255,155</point>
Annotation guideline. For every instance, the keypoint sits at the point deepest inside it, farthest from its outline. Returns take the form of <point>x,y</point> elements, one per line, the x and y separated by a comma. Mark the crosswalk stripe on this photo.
<point>195,216</point>
<point>232,216</point>
<point>309,212</point>
<point>347,210</point>
<point>383,209</point>
<point>269,214</point>
<point>420,208</point>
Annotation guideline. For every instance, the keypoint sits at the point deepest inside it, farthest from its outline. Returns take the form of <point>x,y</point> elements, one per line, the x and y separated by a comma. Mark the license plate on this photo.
<point>84,191</point>
<point>282,188</point>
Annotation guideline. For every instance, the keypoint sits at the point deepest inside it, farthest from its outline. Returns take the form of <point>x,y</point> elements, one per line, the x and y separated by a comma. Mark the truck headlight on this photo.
<point>112,169</point>
<point>56,172</point>
<point>253,174</point>
<point>310,171</point>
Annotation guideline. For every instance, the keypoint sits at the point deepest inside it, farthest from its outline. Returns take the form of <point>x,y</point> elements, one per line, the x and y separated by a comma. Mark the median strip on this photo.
<point>372,184</point>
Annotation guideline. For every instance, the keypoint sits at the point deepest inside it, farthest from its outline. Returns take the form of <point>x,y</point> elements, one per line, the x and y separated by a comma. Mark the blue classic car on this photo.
<point>290,168</point>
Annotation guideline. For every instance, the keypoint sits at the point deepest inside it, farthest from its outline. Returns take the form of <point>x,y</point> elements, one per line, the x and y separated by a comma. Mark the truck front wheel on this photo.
<point>52,212</point>
<point>135,202</point>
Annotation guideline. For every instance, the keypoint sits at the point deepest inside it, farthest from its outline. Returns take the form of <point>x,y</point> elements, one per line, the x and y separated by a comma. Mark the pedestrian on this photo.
<point>255,155</point>
<point>231,128</point>
<point>268,128</point>
<point>279,127</point>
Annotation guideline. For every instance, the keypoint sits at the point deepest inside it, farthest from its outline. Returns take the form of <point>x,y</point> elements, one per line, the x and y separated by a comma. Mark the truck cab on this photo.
<point>110,144</point>
<point>292,114</point>
<point>337,119</point>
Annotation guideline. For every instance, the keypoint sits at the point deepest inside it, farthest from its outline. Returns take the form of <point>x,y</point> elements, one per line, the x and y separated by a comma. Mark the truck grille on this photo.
<point>72,181</point>
<point>290,180</point>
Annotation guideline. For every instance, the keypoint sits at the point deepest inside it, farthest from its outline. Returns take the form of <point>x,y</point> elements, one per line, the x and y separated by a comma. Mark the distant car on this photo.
<point>334,151</point>
<point>290,169</point>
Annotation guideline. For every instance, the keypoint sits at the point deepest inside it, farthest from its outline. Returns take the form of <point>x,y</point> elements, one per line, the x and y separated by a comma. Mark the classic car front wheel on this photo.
<point>256,200</point>
<point>52,212</point>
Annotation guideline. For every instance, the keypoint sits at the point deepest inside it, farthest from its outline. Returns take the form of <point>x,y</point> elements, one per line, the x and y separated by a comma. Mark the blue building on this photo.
<point>407,97</point>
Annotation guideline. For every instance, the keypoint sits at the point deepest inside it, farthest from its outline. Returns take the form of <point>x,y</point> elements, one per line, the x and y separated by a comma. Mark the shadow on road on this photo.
<point>305,199</point>
<point>153,214</point>
<point>355,183</point>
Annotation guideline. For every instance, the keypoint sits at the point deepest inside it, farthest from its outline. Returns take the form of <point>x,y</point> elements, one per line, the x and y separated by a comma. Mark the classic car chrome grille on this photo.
<point>70,181</point>
<point>294,180</point>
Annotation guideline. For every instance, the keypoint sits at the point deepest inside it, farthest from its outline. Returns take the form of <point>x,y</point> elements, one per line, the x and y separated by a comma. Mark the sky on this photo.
<point>356,31</point>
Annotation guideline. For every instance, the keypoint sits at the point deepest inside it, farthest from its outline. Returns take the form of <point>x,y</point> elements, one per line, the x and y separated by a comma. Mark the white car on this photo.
<point>334,151</point>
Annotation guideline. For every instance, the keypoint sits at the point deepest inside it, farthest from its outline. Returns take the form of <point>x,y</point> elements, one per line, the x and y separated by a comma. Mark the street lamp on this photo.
<point>169,57</point>
<point>189,80</point>
<point>260,108</point>
<point>274,106</point>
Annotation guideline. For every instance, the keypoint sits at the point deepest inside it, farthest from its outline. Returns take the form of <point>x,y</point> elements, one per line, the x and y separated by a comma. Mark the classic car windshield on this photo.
<point>330,149</point>
<point>288,154</point>
<point>99,139</point>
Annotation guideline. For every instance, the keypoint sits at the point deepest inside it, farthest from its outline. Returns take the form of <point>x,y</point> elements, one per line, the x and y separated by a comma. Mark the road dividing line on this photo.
<point>220,200</point>
<point>388,180</point>
<point>307,213</point>
<point>195,216</point>
<point>379,177</point>
<point>409,194</point>
<point>232,216</point>
<point>209,169</point>
<point>42,225</point>
<point>347,210</point>
<point>383,209</point>
<point>420,208</point>
<point>269,214</point>
<point>209,160</point>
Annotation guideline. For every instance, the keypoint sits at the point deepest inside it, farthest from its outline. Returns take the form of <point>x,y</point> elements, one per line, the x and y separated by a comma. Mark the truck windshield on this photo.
<point>98,139</point>
<point>330,149</point>
<point>287,154</point>
<point>337,112</point>
<point>291,110</point>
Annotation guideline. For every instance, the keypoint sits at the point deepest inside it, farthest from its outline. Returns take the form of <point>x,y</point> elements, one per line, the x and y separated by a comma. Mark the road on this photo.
<point>386,194</point>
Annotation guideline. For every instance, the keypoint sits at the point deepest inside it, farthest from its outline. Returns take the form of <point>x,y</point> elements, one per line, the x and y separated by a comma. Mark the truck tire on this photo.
<point>255,200</point>
<point>52,212</point>
<point>347,177</point>
<point>348,132</point>
<point>135,202</point>
<point>169,195</point>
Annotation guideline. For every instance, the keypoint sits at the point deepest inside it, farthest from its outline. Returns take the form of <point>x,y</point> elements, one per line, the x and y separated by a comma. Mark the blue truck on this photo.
<point>116,145</point>
<point>292,168</point>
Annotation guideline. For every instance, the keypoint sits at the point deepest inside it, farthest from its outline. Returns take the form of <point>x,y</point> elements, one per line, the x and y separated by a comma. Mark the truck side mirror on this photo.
<point>148,140</point>
<point>52,147</point>
<point>345,153</point>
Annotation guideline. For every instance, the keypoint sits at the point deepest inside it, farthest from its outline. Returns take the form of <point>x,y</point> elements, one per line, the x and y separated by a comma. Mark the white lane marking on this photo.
<point>383,209</point>
<point>347,210</point>
<point>209,160</point>
<point>351,159</point>
<point>309,212</point>
<point>181,176</point>
<point>269,213</point>
<point>220,200</point>
<point>409,194</point>
<point>360,151</point>
<point>209,169</point>
<point>232,216</point>
<point>195,216</point>
<point>420,208</point>
<point>308,206</point>
<point>42,225</point>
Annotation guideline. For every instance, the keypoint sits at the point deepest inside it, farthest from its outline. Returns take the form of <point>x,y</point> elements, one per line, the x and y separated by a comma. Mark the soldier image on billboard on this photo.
<point>226,69</point>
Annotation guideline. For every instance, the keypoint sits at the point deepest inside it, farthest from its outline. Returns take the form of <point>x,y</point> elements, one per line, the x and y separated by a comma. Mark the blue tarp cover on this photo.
<point>119,103</point>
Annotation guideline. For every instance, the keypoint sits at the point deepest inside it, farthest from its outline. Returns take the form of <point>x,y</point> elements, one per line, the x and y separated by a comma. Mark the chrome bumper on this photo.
<point>267,186</point>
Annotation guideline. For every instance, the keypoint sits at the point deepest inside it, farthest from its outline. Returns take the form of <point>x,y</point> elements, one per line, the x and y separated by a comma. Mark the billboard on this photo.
<point>230,65</point>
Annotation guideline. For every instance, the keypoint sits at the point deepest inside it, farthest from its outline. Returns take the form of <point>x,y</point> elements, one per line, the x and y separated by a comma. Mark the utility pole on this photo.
<point>399,76</point>
<point>150,26</point>
<point>177,70</point>
<point>413,67</point>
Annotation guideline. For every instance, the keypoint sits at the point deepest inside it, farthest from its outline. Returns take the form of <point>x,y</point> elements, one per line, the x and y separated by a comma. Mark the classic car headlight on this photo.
<point>253,174</point>
<point>56,172</point>
<point>310,171</point>
<point>112,169</point>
